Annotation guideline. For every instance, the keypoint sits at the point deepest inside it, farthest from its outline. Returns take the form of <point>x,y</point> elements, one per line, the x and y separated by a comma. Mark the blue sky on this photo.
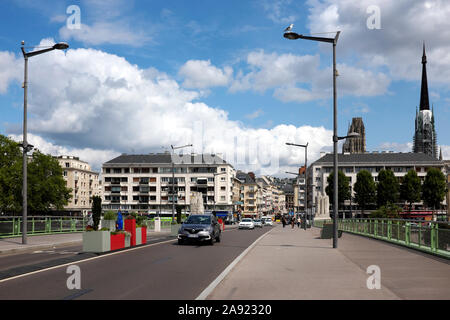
<point>226,65</point>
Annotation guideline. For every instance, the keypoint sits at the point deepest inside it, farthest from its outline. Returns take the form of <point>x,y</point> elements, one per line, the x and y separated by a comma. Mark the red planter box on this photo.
<point>144,235</point>
<point>130,226</point>
<point>117,241</point>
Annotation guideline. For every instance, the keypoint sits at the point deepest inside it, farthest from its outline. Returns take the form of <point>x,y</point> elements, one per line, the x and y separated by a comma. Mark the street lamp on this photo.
<point>293,36</point>
<point>306,199</point>
<point>173,178</point>
<point>306,174</point>
<point>25,146</point>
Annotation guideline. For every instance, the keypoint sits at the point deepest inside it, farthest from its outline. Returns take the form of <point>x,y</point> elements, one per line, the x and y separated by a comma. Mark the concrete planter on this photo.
<point>96,241</point>
<point>127,240</point>
<point>138,235</point>
<point>110,224</point>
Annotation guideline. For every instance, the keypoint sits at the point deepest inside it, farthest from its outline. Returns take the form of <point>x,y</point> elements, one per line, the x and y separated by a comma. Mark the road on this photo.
<point>163,270</point>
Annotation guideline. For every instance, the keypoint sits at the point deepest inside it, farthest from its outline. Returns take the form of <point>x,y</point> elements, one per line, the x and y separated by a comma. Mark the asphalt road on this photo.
<point>158,271</point>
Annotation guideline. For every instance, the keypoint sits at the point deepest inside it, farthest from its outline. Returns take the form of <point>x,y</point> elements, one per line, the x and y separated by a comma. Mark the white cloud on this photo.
<point>99,105</point>
<point>11,68</point>
<point>200,74</point>
<point>255,114</point>
<point>398,44</point>
<point>284,73</point>
<point>103,32</point>
<point>279,11</point>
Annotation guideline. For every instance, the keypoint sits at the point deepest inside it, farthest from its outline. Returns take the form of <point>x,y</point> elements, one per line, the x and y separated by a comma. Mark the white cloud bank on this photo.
<point>96,105</point>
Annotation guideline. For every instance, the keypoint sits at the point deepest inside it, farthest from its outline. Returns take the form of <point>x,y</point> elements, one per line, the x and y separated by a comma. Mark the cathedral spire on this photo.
<point>424,101</point>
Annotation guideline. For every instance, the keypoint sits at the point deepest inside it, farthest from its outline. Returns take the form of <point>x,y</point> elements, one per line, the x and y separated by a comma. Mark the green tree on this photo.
<point>46,186</point>
<point>411,188</point>
<point>434,188</point>
<point>10,176</point>
<point>389,211</point>
<point>96,210</point>
<point>365,189</point>
<point>387,188</point>
<point>343,188</point>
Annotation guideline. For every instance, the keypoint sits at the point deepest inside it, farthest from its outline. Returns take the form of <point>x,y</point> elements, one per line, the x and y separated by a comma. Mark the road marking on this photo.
<point>205,293</point>
<point>85,260</point>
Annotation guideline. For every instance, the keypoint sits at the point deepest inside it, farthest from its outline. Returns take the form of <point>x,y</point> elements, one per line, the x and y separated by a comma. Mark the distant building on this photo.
<point>356,144</point>
<point>249,190</point>
<point>143,183</point>
<point>82,180</point>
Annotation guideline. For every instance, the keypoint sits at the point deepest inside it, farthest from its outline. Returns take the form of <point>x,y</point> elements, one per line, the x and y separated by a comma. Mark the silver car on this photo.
<point>258,223</point>
<point>201,228</point>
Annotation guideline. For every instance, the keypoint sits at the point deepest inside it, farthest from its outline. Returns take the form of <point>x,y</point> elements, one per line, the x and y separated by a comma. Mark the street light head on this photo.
<point>291,35</point>
<point>61,46</point>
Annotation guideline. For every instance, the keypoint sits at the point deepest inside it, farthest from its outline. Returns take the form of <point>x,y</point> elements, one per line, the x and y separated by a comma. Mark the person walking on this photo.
<point>293,222</point>
<point>298,222</point>
<point>283,221</point>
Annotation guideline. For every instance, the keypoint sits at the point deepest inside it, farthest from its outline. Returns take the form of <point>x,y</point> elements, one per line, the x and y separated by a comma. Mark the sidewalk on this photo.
<point>38,242</point>
<point>295,264</point>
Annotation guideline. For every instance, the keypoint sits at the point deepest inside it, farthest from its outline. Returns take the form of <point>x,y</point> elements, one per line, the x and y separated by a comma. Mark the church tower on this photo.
<point>355,144</point>
<point>425,134</point>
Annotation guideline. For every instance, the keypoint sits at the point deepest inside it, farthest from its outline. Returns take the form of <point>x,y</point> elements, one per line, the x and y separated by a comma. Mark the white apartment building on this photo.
<point>351,164</point>
<point>82,180</point>
<point>143,183</point>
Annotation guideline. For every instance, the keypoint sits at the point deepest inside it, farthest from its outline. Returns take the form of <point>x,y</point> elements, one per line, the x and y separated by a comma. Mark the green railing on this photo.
<point>12,226</point>
<point>430,236</point>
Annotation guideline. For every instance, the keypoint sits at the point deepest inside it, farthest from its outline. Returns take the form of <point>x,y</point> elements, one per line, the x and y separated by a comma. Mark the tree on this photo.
<point>46,185</point>
<point>411,188</point>
<point>389,211</point>
<point>343,188</point>
<point>365,189</point>
<point>387,188</point>
<point>10,176</point>
<point>96,210</point>
<point>434,188</point>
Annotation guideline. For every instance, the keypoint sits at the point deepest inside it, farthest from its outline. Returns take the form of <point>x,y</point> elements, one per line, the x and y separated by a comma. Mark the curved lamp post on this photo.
<point>173,179</point>
<point>25,146</point>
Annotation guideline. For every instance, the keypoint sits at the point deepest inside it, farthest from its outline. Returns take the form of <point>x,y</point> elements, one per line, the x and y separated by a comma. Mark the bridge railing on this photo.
<point>11,226</point>
<point>429,236</point>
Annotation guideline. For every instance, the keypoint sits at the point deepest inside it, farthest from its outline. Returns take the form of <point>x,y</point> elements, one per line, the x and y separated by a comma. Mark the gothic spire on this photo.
<point>424,101</point>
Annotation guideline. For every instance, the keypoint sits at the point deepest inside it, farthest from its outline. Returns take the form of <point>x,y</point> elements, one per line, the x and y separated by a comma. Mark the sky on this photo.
<point>140,76</point>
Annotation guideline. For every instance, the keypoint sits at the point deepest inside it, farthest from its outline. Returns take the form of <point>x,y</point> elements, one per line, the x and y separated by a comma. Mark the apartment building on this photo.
<point>143,183</point>
<point>374,162</point>
<point>82,180</point>
<point>249,191</point>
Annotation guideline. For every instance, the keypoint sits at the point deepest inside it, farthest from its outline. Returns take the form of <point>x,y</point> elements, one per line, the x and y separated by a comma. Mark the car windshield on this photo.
<point>257,220</point>
<point>198,220</point>
<point>247,220</point>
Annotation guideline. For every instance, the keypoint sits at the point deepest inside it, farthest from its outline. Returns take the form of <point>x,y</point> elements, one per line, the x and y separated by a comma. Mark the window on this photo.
<point>223,169</point>
<point>152,198</point>
<point>124,189</point>
<point>65,173</point>
<point>145,170</point>
<point>126,170</point>
<point>124,198</point>
<point>135,198</point>
<point>152,179</point>
<point>210,179</point>
<point>223,188</point>
<point>107,170</point>
<point>222,179</point>
<point>124,179</point>
<point>135,179</point>
<point>194,180</point>
<point>348,169</point>
<point>117,170</point>
<point>222,198</point>
<point>135,189</point>
<point>67,165</point>
<point>136,170</point>
<point>152,189</point>
<point>164,179</point>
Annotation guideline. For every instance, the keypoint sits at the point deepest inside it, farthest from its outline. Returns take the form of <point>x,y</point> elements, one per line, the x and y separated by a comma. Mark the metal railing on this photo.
<point>428,236</point>
<point>12,226</point>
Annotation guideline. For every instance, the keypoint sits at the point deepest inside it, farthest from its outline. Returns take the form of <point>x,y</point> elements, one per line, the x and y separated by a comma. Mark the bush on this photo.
<point>110,215</point>
<point>141,221</point>
<point>104,229</point>
<point>389,211</point>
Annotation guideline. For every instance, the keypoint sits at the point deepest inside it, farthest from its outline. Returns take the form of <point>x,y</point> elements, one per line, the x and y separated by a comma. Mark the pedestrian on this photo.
<point>283,221</point>
<point>292,222</point>
<point>298,222</point>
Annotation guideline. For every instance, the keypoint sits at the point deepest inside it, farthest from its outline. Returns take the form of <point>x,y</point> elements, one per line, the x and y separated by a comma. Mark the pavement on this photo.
<point>295,264</point>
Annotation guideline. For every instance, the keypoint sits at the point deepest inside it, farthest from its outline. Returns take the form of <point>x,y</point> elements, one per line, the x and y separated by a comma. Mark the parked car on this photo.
<point>267,221</point>
<point>201,228</point>
<point>246,223</point>
<point>258,223</point>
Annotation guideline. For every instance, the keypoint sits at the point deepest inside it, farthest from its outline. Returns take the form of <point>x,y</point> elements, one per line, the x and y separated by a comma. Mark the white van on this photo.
<point>267,221</point>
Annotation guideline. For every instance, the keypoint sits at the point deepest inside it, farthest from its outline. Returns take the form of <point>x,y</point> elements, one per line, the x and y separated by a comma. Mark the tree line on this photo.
<point>47,189</point>
<point>388,192</point>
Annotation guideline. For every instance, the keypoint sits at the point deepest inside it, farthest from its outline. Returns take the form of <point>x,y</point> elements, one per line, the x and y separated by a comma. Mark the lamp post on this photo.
<point>173,178</point>
<point>25,146</point>
<point>297,174</point>
<point>306,174</point>
<point>293,36</point>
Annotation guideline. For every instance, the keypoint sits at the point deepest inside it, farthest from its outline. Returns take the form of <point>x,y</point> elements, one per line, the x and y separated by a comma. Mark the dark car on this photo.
<point>200,228</point>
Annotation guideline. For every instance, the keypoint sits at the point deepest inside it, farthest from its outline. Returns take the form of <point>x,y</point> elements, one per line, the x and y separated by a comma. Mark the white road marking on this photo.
<point>205,293</point>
